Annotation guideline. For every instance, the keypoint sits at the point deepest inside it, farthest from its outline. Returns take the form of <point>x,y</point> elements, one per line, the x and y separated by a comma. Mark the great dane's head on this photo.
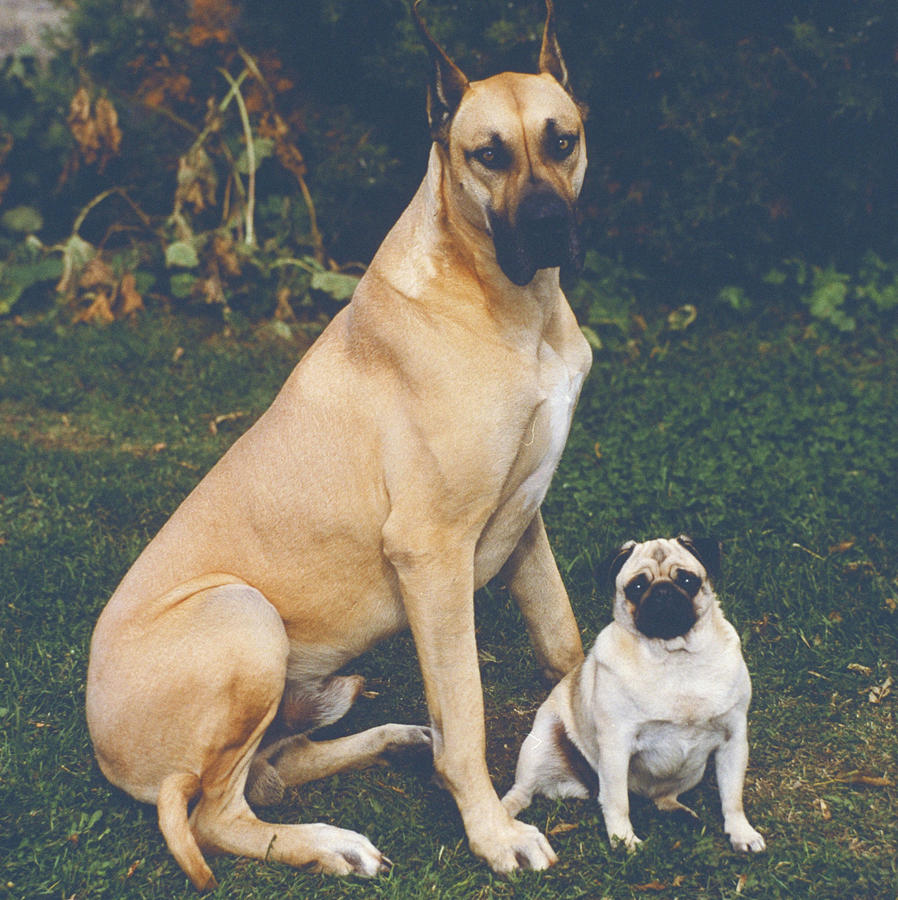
<point>515,154</point>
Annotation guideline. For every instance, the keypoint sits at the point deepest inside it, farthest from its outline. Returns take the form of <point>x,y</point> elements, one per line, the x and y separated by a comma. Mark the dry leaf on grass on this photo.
<point>660,885</point>
<point>857,667</point>
<point>224,417</point>
<point>841,547</point>
<point>879,693</point>
<point>858,777</point>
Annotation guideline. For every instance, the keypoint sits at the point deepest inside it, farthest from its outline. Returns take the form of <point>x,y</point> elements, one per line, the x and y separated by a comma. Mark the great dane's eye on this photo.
<point>561,146</point>
<point>492,157</point>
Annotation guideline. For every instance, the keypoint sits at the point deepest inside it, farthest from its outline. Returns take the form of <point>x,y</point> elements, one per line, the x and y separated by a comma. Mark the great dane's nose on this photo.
<point>544,220</point>
<point>542,234</point>
<point>544,225</point>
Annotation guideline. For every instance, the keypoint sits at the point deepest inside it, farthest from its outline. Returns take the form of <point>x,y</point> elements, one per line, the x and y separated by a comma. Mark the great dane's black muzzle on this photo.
<point>542,236</point>
<point>664,612</point>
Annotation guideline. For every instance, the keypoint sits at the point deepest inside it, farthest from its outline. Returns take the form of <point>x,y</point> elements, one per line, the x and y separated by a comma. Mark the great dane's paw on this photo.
<point>409,744</point>
<point>514,847</point>
<point>264,787</point>
<point>745,839</point>
<point>401,736</point>
<point>344,852</point>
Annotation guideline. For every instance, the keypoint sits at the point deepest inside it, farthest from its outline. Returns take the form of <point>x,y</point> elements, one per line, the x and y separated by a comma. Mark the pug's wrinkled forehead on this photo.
<point>664,557</point>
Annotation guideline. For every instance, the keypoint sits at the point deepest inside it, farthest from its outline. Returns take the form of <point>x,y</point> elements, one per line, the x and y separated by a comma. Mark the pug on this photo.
<point>663,687</point>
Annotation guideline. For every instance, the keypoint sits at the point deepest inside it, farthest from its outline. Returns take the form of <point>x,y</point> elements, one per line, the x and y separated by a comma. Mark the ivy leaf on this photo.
<point>23,218</point>
<point>262,148</point>
<point>182,285</point>
<point>16,278</point>
<point>76,253</point>
<point>736,298</point>
<point>181,255</point>
<point>335,284</point>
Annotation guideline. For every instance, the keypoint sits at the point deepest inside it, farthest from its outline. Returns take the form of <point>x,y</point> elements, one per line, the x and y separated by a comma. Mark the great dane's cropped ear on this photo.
<point>705,550</point>
<point>447,83</point>
<point>550,58</point>
<point>552,62</point>
<point>616,563</point>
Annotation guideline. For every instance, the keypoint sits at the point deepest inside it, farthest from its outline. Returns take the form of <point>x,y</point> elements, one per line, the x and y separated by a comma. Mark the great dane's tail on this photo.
<point>176,792</point>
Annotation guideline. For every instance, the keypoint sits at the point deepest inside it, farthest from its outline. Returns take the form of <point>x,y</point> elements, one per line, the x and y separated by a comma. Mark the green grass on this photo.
<point>782,445</point>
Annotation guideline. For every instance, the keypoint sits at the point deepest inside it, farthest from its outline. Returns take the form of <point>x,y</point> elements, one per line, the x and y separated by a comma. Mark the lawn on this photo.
<point>781,442</point>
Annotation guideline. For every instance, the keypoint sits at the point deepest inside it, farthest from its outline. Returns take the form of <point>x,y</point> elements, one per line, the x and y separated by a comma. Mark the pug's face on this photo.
<point>662,587</point>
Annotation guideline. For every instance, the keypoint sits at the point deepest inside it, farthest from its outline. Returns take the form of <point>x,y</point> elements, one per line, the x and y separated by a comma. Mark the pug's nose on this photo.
<point>665,612</point>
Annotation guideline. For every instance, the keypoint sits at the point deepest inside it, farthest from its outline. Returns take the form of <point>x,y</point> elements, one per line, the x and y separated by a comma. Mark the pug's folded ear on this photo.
<point>616,562</point>
<point>706,550</point>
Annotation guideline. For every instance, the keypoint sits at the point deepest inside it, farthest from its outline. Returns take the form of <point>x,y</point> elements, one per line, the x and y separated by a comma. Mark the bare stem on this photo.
<point>249,238</point>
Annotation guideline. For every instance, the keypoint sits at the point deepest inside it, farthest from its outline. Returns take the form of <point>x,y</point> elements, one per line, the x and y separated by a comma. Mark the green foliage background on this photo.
<point>724,139</point>
<point>740,286</point>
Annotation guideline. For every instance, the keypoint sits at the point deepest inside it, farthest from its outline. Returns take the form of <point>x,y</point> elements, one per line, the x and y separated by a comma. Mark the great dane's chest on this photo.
<point>558,379</point>
<point>559,388</point>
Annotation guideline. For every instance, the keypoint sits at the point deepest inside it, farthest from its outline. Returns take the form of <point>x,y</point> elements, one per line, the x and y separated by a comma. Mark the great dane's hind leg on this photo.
<point>216,661</point>
<point>226,824</point>
<point>250,676</point>
<point>296,760</point>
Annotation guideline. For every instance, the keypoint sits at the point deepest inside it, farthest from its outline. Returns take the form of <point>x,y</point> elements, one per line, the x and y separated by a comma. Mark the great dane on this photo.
<point>401,467</point>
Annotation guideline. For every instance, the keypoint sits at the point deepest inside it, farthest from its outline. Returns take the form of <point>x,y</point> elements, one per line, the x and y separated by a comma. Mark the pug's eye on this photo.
<point>688,581</point>
<point>636,588</point>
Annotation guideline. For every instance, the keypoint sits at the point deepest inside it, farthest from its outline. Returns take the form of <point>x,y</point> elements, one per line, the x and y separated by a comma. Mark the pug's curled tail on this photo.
<point>177,790</point>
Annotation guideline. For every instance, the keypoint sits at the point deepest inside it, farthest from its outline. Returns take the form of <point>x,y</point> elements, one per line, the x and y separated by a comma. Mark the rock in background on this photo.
<point>23,21</point>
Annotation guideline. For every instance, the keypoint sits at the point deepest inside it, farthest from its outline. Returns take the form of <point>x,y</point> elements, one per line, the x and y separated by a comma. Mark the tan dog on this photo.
<point>664,687</point>
<point>400,468</point>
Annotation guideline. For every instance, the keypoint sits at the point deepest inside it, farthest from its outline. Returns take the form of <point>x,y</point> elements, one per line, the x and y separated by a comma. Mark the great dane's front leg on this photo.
<point>437,584</point>
<point>532,577</point>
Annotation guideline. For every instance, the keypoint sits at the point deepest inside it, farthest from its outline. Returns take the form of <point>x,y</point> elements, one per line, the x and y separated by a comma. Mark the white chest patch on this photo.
<point>551,424</point>
<point>538,454</point>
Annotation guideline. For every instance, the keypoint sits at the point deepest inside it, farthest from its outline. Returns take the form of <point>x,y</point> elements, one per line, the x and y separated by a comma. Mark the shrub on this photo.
<point>723,139</point>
